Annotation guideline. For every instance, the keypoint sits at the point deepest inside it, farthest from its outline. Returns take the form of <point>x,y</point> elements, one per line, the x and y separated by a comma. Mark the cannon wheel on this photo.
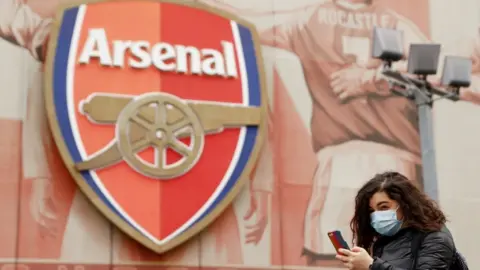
<point>161,135</point>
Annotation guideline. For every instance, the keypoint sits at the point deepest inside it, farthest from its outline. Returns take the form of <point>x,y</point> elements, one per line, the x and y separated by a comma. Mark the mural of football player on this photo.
<point>358,127</point>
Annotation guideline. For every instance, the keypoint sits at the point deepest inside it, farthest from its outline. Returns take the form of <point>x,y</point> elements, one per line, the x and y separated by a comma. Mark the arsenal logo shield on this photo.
<point>157,108</point>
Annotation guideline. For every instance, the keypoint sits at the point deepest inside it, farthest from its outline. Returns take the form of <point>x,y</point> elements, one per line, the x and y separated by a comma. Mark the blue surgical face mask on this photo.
<point>385,222</point>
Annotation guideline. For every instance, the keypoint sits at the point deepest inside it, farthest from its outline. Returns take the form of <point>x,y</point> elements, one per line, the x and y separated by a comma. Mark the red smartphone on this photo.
<point>337,240</point>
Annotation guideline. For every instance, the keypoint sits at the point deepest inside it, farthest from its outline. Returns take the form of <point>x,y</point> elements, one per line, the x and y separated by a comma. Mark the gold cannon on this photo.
<point>159,120</point>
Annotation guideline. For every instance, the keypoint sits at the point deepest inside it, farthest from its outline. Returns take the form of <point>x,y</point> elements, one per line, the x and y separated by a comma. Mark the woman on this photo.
<point>390,212</point>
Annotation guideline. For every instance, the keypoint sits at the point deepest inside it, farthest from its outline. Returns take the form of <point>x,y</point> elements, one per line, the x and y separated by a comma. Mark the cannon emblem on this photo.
<point>160,120</point>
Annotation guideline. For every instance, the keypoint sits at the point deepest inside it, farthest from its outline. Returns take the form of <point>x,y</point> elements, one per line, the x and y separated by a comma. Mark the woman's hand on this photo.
<point>355,259</point>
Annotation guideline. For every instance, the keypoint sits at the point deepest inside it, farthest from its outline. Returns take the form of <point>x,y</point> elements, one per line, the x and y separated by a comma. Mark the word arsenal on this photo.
<point>163,56</point>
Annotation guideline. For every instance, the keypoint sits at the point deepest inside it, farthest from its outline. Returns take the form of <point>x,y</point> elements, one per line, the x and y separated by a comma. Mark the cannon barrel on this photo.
<point>105,108</point>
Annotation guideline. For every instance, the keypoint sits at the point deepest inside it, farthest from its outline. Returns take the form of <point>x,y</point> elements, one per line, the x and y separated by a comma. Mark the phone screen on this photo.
<point>337,240</point>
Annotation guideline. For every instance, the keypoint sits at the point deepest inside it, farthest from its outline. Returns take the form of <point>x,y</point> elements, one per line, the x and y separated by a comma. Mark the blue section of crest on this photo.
<point>254,94</point>
<point>61,102</point>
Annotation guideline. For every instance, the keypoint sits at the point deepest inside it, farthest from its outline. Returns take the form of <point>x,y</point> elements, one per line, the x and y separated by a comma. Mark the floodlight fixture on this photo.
<point>423,59</point>
<point>457,72</point>
<point>387,45</point>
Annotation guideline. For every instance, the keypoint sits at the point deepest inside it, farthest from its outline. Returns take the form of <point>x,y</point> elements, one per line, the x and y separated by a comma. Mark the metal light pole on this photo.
<point>425,124</point>
<point>422,61</point>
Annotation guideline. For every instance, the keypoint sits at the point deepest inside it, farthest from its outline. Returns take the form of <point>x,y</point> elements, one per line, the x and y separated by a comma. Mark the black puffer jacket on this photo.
<point>394,253</point>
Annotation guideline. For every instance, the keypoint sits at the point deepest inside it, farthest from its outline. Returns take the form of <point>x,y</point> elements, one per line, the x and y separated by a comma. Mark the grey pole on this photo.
<point>424,102</point>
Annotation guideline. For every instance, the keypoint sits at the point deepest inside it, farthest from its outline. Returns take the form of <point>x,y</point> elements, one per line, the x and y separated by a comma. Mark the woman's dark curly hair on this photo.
<point>419,211</point>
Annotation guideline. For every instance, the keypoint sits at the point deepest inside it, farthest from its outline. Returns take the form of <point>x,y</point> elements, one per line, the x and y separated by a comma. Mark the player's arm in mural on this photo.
<point>471,49</point>
<point>261,188</point>
<point>20,25</point>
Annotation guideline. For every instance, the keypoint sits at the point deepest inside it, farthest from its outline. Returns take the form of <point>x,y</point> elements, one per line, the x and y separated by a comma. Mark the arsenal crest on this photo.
<point>157,108</point>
